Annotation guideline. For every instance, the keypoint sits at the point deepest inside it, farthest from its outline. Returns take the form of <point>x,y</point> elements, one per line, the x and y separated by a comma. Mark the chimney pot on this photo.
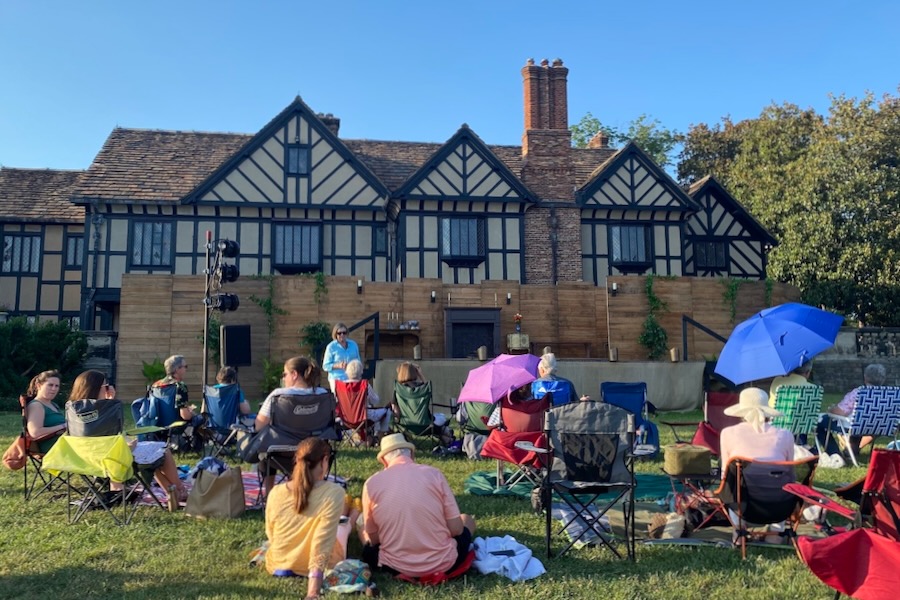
<point>545,62</point>
<point>529,62</point>
<point>557,62</point>
<point>331,122</point>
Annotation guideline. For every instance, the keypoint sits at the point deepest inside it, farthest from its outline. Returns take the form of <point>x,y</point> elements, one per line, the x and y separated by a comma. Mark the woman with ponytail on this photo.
<point>303,519</point>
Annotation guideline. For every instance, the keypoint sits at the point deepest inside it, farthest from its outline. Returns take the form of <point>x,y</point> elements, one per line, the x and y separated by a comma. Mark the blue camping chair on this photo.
<point>156,417</point>
<point>222,411</point>
<point>632,396</point>
<point>561,389</point>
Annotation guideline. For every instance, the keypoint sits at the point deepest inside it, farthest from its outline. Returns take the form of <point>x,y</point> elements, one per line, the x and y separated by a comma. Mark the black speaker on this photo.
<point>234,345</point>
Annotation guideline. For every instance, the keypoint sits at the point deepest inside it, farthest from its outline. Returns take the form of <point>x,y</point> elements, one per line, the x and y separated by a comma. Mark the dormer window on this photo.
<point>297,163</point>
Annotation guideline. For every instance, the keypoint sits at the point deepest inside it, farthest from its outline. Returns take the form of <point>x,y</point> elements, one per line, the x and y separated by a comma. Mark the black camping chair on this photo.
<point>295,417</point>
<point>590,469</point>
<point>754,491</point>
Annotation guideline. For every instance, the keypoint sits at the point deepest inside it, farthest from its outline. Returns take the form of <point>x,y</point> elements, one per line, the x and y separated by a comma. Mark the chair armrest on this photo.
<point>680,423</point>
<point>644,450</point>
<point>144,429</point>
<point>816,498</point>
<point>842,419</point>
<point>528,446</point>
<point>280,449</point>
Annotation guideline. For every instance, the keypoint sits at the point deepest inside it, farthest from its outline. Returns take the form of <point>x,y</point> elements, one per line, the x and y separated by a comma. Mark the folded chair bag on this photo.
<point>214,495</point>
<point>686,459</point>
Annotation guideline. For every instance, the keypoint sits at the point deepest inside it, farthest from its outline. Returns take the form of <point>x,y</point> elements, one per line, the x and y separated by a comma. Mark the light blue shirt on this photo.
<point>334,354</point>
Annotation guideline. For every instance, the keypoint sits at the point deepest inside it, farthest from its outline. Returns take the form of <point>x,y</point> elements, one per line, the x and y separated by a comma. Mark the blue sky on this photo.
<point>417,70</point>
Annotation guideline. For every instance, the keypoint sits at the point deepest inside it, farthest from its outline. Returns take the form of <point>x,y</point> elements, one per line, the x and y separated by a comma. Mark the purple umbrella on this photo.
<point>493,380</point>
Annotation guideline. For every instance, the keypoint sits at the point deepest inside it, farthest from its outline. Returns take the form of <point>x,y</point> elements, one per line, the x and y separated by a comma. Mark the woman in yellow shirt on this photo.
<point>303,519</point>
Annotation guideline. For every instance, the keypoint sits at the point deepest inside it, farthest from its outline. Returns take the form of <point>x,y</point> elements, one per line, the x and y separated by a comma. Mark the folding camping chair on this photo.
<point>521,421</point>
<point>863,562</point>
<point>352,399</point>
<point>706,433</point>
<point>222,411</point>
<point>416,405</point>
<point>589,447</point>
<point>294,418</point>
<point>561,389</point>
<point>632,396</point>
<point>97,461</point>
<point>754,491</point>
<point>38,481</point>
<point>91,418</point>
<point>801,406</point>
<point>876,413</point>
<point>473,417</point>
<point>157,409</point>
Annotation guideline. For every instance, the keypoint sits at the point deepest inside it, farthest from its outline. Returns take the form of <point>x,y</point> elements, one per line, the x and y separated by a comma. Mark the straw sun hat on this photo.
<point>392,442</point>
<point>753,407</point>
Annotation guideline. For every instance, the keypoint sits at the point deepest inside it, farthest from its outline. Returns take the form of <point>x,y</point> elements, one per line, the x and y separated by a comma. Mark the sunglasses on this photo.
<point>342,333</point>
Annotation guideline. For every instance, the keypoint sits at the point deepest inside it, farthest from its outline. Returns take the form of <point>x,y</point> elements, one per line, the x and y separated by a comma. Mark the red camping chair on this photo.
<point>714,420</point>
<point>864,562</point>
<point>438,578</point>
<point>352,397</point>
<point>520,421</point>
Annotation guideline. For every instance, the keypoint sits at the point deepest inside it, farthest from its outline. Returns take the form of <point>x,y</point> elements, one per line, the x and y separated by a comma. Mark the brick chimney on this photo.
<point>331,122</point>
<point>600,140</point>
<point>553,229</point>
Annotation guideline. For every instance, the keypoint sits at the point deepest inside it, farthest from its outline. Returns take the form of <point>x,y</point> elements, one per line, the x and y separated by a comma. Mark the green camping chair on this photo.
<point>474,427</point>
<point>416,406</point>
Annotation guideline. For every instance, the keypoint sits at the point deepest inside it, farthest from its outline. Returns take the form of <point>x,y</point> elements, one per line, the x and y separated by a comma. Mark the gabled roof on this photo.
<point>611,166</point>
<point>709,184</point>
<point>483,156</point>
<point>143,165</point>
<point>294,108</point>
<point>38,196</point>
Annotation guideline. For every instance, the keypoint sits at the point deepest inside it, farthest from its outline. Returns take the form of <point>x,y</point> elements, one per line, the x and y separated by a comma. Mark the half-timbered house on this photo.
<point>299,198</point>
<point>42,235</point>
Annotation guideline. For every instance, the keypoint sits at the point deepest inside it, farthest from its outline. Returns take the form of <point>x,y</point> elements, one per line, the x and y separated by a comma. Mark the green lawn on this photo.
<point>162,555</point>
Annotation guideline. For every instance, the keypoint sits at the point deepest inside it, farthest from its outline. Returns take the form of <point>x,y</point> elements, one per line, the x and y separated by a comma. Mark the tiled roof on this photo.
<point>154,165</point>
<point>141,164</point>
<point>38,195</point>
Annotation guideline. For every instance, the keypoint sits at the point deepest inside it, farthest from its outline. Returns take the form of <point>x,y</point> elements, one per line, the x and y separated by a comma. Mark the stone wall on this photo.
<point>840,369</point>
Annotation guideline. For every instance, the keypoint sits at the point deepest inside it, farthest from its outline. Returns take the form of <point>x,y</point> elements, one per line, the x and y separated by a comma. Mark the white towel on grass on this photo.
<point>507,557</point>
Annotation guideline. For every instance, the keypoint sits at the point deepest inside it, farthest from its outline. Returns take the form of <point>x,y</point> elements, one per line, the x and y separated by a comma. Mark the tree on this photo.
<point>647,133</point>
<point>826,187</point>
<point>27,349</point>
<point>585,130</point>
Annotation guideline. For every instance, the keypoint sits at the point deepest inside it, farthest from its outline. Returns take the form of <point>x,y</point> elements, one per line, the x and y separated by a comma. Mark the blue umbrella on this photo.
<point>777,340</point>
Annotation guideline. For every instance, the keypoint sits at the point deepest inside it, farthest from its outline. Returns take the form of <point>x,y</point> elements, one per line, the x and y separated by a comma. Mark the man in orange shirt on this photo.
<point>412,524</point>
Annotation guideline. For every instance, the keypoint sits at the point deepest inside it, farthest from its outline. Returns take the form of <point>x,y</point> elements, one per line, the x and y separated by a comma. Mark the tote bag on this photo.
<point>214,495</point>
